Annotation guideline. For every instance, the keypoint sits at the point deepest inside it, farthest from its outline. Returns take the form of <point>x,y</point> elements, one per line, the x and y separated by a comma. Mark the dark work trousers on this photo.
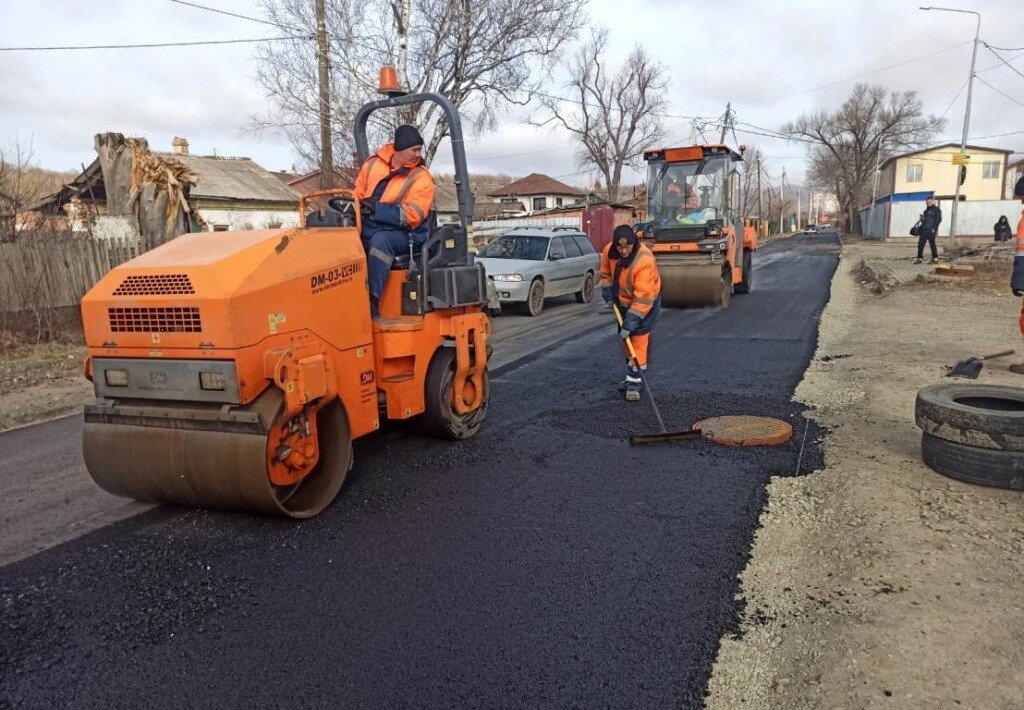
<point>929,239</point>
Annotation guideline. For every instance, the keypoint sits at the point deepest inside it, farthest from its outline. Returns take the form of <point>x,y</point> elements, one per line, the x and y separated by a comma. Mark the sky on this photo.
<point>772,60</point>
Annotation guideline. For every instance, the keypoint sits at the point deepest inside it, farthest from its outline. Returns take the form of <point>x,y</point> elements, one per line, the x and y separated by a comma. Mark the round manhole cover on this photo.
<point>745,430</point>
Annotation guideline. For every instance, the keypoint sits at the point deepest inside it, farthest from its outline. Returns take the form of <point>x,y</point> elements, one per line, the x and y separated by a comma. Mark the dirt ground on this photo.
<point>877,582</point>
<point>39,382</point>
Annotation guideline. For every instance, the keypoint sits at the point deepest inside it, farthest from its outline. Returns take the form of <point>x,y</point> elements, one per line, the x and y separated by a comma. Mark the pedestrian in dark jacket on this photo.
<point>930,221</point>
<point>1003,229</point>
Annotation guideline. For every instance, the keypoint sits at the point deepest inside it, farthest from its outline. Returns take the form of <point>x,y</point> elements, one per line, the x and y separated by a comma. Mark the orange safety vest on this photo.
<point>413,190</point>
<point>639,283</point>
<point>1020,235</point>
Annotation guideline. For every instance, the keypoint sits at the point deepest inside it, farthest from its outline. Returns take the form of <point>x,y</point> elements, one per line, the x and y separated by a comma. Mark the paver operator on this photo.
<point>630,280</point>
<point>398,190</point>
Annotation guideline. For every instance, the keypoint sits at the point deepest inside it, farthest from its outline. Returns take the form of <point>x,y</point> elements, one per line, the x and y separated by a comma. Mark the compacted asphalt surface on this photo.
<point>543,563</point>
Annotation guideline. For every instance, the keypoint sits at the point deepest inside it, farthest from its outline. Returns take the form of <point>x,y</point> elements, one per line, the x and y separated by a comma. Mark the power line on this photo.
<point>957,96</point>
<point>859,76</point>
<point>1004,49</point>
<point>153,44</point>
<point>1001,92</point>
<point>1000,58</point>
<point>235,14</point>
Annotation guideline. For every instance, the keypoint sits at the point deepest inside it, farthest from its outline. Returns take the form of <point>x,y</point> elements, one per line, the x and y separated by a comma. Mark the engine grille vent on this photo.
<point>155,320</point>
<point>155,285</point>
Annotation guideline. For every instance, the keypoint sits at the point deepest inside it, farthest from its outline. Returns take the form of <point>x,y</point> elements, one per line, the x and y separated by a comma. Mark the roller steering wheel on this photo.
<point>346,205</point>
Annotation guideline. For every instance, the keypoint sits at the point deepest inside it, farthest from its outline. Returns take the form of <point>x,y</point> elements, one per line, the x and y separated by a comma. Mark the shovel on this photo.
<point>971,367</point>
<point>664,434</point>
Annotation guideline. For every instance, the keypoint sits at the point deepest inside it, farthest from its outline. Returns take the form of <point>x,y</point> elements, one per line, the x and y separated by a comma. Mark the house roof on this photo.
<point>221,178</point>
<point>536,184</point>
<point>346,178</point>
<point>940,147</point>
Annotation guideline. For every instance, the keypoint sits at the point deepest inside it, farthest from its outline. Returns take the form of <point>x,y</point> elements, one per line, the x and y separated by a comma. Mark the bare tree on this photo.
<point>483,55</point>
<point>614,115</point>
<point>848,142</point>
<point>21,185</point>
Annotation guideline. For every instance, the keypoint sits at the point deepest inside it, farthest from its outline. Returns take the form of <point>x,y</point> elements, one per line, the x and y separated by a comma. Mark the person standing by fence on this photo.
<point>928,228</point>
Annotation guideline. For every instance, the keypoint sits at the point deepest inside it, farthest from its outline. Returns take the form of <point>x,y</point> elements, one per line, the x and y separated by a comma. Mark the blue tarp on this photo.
<point>906,197</point>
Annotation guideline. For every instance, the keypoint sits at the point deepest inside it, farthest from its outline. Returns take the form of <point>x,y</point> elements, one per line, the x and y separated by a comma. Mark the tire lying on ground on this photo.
<point>984,467</point>
<point>984,416</point>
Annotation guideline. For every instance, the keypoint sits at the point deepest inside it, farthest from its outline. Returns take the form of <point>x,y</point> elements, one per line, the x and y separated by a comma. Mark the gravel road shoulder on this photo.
<point>876,582</point>
<point>39,382</point>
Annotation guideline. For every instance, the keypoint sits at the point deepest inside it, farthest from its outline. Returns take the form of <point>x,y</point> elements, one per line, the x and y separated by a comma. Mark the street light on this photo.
<point>967,112</point>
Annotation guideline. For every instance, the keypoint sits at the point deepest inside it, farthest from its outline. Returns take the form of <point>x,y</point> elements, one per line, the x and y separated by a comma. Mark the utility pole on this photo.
<point>725,121</point>
<point>324,80</point>
<point>798,209</point>
<point>967,113</point>
<point>760,211</point>
<point>874,189</point>
<point>782,203</point>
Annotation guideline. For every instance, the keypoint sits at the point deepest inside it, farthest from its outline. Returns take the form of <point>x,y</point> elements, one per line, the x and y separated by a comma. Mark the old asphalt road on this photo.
<point>544,563</point>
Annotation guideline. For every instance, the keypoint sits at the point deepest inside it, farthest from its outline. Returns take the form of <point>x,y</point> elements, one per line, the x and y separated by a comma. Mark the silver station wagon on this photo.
<point>527,265</point>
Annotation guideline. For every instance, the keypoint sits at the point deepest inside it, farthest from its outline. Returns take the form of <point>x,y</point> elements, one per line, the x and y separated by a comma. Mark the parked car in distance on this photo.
<point>527,265</point>
<point>811,229</point>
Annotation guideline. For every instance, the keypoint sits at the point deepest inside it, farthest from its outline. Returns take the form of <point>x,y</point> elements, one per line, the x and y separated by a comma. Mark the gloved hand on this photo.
<point>1018,293</point>
<point>607,294</point>
<point>631,321</point>
<point>623,333</point>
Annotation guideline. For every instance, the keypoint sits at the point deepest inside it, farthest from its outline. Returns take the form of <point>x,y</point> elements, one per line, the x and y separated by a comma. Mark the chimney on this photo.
<point>179,146</point>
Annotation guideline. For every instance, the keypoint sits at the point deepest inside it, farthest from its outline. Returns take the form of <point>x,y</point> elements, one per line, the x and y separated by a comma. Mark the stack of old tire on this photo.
<point>973,432</point>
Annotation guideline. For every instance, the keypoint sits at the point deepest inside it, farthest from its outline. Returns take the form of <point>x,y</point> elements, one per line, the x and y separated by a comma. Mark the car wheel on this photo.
<point>585,294</point>
<point>535,300</point>
<point>983,467</point>
<point>985,416</point>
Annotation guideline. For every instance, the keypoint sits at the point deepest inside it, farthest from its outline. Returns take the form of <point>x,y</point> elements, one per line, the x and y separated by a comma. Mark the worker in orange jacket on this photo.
<point>1017,281</point>
<point>398,192</point>
<point>630,279</point>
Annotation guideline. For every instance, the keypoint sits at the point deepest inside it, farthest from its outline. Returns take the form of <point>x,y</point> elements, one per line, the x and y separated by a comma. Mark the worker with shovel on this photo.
<point>631,284</point>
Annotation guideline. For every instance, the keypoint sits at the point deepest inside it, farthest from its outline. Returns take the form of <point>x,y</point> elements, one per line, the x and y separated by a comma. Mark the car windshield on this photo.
<point>517,246</point>
<point>686,194</point>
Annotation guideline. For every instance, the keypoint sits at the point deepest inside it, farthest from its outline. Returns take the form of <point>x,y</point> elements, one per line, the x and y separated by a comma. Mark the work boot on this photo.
<point>632,388</point>
<point>918,260</point>
<point>935,260</point>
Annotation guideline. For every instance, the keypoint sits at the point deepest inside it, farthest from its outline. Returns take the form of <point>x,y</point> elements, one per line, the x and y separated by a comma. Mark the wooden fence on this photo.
<point>47,274</point>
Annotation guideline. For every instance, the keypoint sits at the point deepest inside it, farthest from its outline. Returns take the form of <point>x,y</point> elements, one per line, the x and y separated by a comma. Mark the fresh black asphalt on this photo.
<point>543,563</point>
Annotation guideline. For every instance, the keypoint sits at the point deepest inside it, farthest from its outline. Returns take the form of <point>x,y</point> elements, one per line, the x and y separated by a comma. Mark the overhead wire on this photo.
<point>1000,58</point>
<point>149,45</point>
<point>1001,92</point>
<point>239,16</point>
<point>859,76</point>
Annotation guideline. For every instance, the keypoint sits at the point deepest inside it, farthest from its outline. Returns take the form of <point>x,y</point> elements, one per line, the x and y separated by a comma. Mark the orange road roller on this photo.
<point>234,370</point>
<point>703,247</point>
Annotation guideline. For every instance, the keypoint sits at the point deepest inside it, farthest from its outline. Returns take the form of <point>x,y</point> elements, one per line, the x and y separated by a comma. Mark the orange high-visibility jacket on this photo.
<point>1020,235</point>
<point>639,283</point>
<point>409,195</point>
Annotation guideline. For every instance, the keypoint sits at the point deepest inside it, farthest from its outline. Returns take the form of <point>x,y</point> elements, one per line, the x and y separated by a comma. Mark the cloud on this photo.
<point>763,57</point>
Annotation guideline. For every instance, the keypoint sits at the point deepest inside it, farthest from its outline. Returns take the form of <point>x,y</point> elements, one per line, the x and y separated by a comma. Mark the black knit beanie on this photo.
<point>407,137</point>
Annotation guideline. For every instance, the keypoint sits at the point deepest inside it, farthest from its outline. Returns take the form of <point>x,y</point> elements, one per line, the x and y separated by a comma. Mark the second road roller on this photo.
<point>234,370</point>
<point>703,249</point>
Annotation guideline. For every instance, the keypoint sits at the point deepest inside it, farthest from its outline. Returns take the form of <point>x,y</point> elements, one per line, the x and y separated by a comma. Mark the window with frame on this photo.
<point>558,202</point>
<point>572,249</point>
<point>990,170</point>
<point>557,248</point>
<point>540,203</point>
<point>915,173</point>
